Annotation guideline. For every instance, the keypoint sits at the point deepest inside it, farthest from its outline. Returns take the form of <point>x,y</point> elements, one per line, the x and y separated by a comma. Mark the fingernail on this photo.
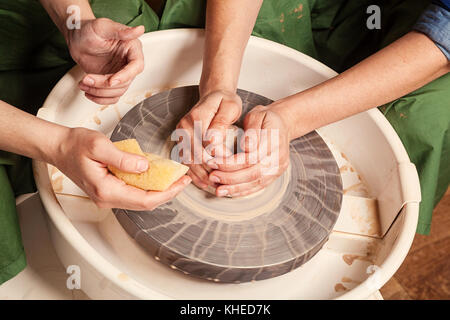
<point>142,165</point>
<point>222,192</point>
<point>214,179</point>
<point>212,165</point>
<point>114,82</point>
<point>187,180</point>
<point>89,81</point>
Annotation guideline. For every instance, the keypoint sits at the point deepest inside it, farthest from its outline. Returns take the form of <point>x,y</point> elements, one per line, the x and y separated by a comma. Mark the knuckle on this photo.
<point>259,108</point>
<point>100,193</point>
<point>123,161</point>
<point>234,190</point>
<point>221,120</point>
<point>225,179</point>
<point>250,117</point>
<point>234,107</point>
<point>184,123</point>
<point>148,204</point>
<point>195,114</point>
<point>95,144</point>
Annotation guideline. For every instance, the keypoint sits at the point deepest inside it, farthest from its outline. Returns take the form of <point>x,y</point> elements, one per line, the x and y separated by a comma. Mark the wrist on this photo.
<point>56,145</point>
<point>215,77</point>
<point>295,117</point>
<point>209,85</point>
<point>69,17</point>
<point>72,34</point>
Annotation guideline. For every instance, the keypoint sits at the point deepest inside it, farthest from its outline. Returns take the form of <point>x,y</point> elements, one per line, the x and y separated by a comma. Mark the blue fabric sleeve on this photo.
<point>435,23</point>
<point>443,3</point>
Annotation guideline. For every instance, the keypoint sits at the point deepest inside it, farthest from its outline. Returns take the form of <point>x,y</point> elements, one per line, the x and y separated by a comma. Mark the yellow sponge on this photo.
<point>129,145</point>
<point>160,174</point>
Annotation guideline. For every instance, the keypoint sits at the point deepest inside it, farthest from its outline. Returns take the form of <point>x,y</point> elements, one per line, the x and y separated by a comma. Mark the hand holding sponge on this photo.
<point>161,174</point>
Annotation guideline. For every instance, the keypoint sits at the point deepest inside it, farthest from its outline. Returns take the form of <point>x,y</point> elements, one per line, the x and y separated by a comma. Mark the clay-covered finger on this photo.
<point>243,189</point>
<point>235,190</point>
<point>102,101</point>
<point>101,81</point>
<point>253,123</point>
<point>235,162</point>
<point>103,93</point>
<point>116,194</point>
<point>197,181</point>
<point>201,173</point>
<point>245,175</point>
<point>157,198</point>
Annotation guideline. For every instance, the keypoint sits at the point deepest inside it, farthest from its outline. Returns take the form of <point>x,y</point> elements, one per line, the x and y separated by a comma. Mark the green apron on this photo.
<point>328,30</point>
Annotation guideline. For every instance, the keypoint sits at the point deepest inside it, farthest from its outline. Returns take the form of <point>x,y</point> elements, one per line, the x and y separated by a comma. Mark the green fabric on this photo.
<point>12,254</point>
<point>34,57</point>
<point>422,120</point>
<point>130,12</point>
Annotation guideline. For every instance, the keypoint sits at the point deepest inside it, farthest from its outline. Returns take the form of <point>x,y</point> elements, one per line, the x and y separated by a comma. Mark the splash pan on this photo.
<point>356,255</point>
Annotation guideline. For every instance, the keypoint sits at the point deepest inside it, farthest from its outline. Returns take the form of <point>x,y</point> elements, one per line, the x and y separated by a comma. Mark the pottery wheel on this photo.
<point>233,239</point>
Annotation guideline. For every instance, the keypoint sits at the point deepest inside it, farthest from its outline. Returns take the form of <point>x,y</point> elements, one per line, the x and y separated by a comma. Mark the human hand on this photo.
<point>111,55</point>
<point>265,157</point>
<point>83,155</point>
<point>214,112</point>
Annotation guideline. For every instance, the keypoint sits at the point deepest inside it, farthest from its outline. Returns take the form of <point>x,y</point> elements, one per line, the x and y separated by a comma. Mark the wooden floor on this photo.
<point>425,273</point>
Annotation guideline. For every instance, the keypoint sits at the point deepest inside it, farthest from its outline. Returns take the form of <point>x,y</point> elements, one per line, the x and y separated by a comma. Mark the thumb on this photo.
<point>130,33</point>
<point>111,30</point>
<point>108,154</point>
<point>228,113</point>
<point>252,130</point>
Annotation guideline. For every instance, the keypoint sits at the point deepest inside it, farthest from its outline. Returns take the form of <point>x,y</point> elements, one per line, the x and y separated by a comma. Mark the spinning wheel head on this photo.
<point>233,240</point>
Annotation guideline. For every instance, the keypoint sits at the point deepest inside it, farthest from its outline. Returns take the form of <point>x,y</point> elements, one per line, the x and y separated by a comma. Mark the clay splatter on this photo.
<point>339,287</point>
<point>97,120</point>
<point>117,113</point>
<point>123,277</point>
<point>350,258</point>
<point>299,8</point>
<point>372,248</point>
<point>349,280</point>
<point>53,171</point>
<point>356,186</point>
<point>57,184</point>
<point>346,167</point>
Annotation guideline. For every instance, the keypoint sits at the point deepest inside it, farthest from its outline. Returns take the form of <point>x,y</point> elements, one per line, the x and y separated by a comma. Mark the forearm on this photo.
<point>57,10</point>
<point>25,134</point>
<point>402,67</point>
<point>228,28</point>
